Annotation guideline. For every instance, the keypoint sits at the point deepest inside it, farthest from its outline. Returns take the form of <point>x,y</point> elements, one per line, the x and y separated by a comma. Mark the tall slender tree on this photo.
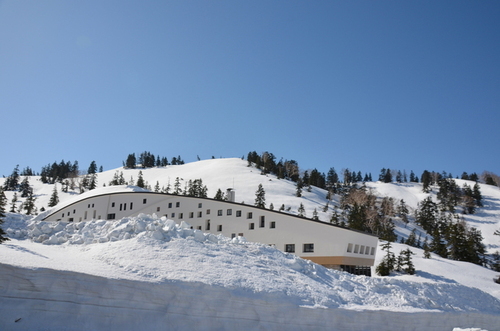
<point>3,203</point>
<point>260,197</point>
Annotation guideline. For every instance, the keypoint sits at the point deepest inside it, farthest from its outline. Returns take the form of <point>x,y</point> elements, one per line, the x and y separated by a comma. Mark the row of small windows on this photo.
<point>262,224</point>
<point>360,249</point>
<point>306,248</point>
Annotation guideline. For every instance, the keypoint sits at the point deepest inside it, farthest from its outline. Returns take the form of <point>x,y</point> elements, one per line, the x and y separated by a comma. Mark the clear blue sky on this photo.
<point>364,85</point>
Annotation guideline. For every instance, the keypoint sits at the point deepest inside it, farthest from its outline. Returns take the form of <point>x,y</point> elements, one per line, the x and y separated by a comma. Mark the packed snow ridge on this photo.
<point>153,249</point>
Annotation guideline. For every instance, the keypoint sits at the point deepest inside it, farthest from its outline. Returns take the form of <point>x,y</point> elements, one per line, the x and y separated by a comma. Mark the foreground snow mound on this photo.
<point>157,250</point>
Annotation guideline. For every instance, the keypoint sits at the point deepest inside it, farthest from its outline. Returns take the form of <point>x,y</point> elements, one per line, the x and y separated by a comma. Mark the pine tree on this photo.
<point>219,195</point>
<point>406,263</point>
<point>12,182</point>
<point>301,210</point>
<point>29,205</point>
<point>13,203</point>
<point>315,215</point>
<point>54,198</point>
<point>260,197</point>
<point>157,187</point>
<point>3,203</point>
<point>298,192</point>
<point>177,186</point>
<point>427,250</point>
<point>388,263</point>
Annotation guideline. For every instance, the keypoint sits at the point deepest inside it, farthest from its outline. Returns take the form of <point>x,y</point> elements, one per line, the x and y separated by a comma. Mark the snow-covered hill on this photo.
<point>147,273</point>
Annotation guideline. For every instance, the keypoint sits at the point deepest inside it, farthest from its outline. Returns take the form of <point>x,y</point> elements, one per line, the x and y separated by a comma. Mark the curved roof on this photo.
<point>90,194</point>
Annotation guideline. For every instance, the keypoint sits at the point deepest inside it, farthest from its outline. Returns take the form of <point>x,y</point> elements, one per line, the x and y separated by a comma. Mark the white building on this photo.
<point>323,243</point>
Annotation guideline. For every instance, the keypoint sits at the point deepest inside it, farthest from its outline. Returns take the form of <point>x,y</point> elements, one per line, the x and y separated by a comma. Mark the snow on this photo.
<point>147,272</point>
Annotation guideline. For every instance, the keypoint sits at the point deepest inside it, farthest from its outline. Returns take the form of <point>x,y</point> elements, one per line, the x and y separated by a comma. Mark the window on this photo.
<point>92,205</point>
<point>240,234</point>
<point>144,201</point>
<point>219,227</point>
<point>121,206</point>
<point>199,205</point>
<point>362,249</point>
<point>272,225</point>
<point>262,221</point>
<point>169,205</point>
<point>238,213</point>
<point>207,225</point>
<point>208,212</point>
<point>177,204</point>
<point>111,216</point>
<point>181,215</point>
<point>219,212</point>
<point>251,226</point>
<point>229,212</point>
<point>70,219</point>
<point>173,215</point>
<point>372,252</point>
<point>308,248</point>
<point>85,215</point>
<point>74,211</point>
<point>249,215</point>
<point>157,208</point>
<point>367,250</point>
<point>131,204</point>
<point>62,214</point>
<point>191,215</point>
<point>199,214</point>
<point>349,248</point>
<point>199,227</point>
<point>233,235</point>
<point>356,249</point>
<point>290,248</point>
<point>112,205</point>
<point>124,206</point>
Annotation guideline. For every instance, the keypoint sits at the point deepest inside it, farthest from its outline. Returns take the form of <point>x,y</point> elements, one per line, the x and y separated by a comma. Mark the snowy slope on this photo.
<point>273,288</point>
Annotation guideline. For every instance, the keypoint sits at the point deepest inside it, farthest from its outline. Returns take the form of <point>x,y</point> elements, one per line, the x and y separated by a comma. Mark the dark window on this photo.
<point>262,221</point>
<point>199,214</point>
<point>290,248</point>
<point>308,248</point>
<point>251,226</point>
<point>74,211</point>
<point>249,215</point>
<point>181,215</point>
<point>157,208</point>
<point>173,215</point>
<point>229,212</point>
<point>191,215</point>
<point>70,219</point>
<point>131,204</point>
<point>272,225</point>
<point>177,204</point>
<point>219,212</point>
<point>111,216</point>
<point>199,227</point>
<point>240,234</point>
<point>169,205</point>
<point>124,206</point>
<point>238,213</point>
<point>233,235</point>
<point>208,211</point>
<point>144,201</point>
<point>121,206</point>
<point>199,205</point>
<point>112,205</point>
<point>219,228</point>
<point>207,225</point>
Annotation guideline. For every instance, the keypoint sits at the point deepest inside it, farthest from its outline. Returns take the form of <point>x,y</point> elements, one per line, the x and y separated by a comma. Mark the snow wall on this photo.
<point>46,299</point>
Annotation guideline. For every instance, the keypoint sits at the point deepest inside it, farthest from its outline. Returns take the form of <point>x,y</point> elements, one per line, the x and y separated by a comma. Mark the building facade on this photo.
<point>323,243</point>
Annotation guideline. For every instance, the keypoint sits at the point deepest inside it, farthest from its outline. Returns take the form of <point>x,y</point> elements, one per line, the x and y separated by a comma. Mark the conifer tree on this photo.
<point>388,263</point>
<point>302,210</point>
<point>260,197</point>
<point>427,250</point>
<point>177,186</point>
<point>315,215</point>
<point>13,203</point>
<point>54,198</point>
<point>406,263</point>
<point>25,187</point>
<point>3,203</point>
<point>29,205</point>
<point>219,195</point>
